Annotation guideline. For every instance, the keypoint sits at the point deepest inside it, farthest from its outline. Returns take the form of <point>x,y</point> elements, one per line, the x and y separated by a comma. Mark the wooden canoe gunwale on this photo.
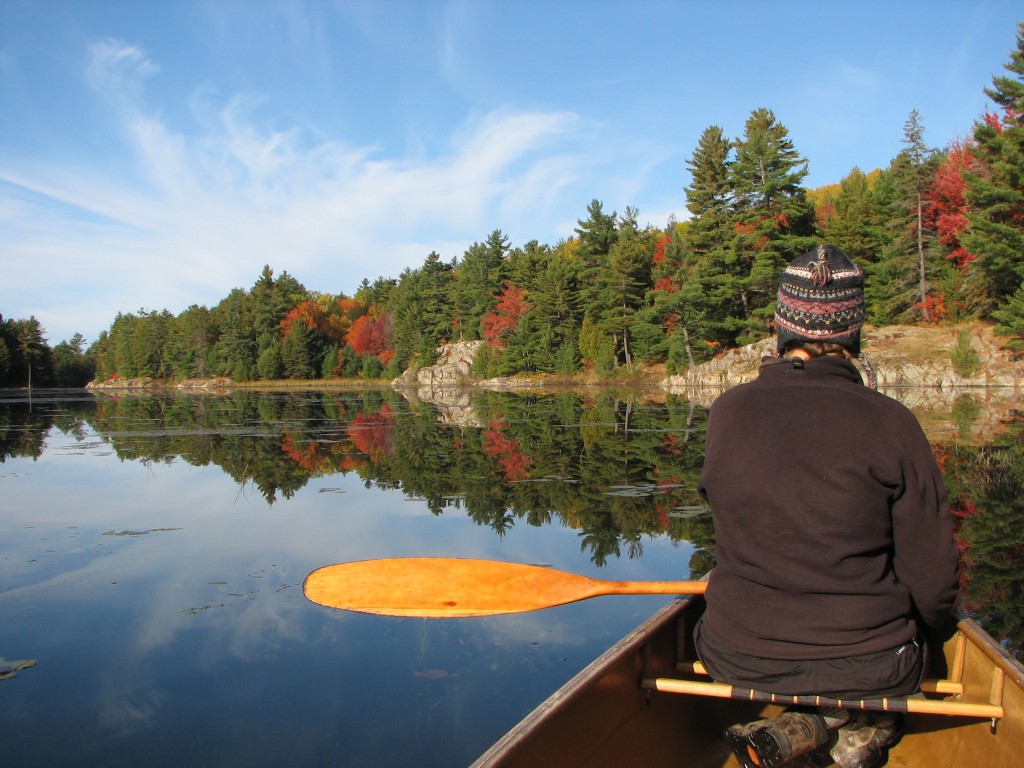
<point>526,729</point>
<point>569,730</point>
<point>981,640</point>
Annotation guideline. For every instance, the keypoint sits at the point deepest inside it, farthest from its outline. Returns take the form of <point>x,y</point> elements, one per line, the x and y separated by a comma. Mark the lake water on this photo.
<point>153,548</point>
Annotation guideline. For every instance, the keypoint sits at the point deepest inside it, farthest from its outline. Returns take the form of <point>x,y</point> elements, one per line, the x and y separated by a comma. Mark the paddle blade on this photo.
<point>444,587</point>
<point>454,587</point>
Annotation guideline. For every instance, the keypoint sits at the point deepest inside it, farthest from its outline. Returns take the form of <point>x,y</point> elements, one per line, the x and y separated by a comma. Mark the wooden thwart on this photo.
<point>928,685</point>
<point>887,704</point>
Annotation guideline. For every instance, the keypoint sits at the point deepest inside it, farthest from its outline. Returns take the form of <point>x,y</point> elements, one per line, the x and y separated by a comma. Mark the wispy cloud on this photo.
<point>193,215</point>
<point>118,70</point>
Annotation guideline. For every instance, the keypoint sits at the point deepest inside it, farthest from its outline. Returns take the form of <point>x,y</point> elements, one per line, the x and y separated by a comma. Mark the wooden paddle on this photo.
<point>443,587</point>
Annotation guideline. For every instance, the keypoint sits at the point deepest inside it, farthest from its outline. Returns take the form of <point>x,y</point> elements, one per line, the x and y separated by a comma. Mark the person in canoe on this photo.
<point>834,539</point>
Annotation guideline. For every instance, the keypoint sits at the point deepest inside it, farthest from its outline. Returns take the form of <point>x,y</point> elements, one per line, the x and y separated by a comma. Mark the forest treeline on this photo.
<point>939,233</point>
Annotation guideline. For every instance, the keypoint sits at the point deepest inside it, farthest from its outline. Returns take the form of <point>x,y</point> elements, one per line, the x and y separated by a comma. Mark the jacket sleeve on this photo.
<point>925,556</point>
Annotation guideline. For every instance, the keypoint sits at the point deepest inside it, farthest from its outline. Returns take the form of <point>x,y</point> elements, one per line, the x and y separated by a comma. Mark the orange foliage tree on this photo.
<point>505,316</point>
<point>372,336</point>
<point>947,211</point>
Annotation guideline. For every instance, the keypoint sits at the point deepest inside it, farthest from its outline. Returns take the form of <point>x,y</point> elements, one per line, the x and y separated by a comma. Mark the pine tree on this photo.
<point>919,155</point>
<point>70,365</point>
<point>898,285</point>
<point>298,359</point>
<point>235,350</point>
<point>995,235</point>
<point>624,284</point>
<point>527,263</point>
<point>265,310</point>
<point>854,225</point>
<point>1010,316</point>
<point>555,299</point>
<point>478,279</point>
<point>189,339</point>
<point>708,294</point>
<point>773,223</point>
<point>435,280</point>
<point>31,357</point>
<point>709,195</point>
<point>595,237</point>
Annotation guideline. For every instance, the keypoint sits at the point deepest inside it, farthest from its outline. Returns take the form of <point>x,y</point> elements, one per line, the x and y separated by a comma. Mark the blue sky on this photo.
<point>155,155</point>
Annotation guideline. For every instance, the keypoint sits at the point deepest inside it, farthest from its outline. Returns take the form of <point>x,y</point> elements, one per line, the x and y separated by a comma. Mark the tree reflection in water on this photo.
<point>618,468</point>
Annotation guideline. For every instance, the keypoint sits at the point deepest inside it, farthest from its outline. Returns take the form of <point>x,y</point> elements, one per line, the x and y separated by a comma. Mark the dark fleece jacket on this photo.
<point>831,518</point>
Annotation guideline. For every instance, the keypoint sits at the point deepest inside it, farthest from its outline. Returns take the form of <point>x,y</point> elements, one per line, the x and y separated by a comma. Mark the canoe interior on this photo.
<point>603,717</point>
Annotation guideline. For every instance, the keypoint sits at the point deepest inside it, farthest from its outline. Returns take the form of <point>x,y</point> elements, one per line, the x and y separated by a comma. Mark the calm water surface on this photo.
<point>152,552</point>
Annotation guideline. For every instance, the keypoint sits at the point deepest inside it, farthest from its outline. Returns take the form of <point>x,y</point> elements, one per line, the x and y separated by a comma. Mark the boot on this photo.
<point>861,742</point>
<point>773,742</point>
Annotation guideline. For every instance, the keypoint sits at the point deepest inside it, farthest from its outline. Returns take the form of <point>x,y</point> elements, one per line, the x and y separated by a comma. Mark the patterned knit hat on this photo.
<point>821,298</point>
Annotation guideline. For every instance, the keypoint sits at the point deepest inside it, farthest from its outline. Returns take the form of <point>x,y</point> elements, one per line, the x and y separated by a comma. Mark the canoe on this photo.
<point>622,710</point>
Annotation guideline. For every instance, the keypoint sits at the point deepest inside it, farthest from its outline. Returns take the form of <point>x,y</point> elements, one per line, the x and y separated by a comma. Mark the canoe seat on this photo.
<point>987,710</point>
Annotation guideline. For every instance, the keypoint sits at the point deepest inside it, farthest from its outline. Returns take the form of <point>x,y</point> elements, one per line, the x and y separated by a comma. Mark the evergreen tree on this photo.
<point>677,324</point>
<point>25,357</point>
<point>774,222</point>
<point>406,303</point>
<point>709,195</point>
<point>1010,316</point>
<point>526,264</point>
<point>595,237</point>
<point>147,342</point>
<point>298,355</point>
<point>422,308</point>
<point>597,233</point>
<point>271,299</point>
<point>854,224</point>
<point>555,312</point>
<point>995,235</point>
<point>624,284</point>
<point>526,347</point>
<point>6,363</point>
<point>380,290</point>
<point>235,351</point>
<point>478,279</point>
<point>190,339</point>
<point>898,285</point>
<point>72,367</point>
<point>266,309</point>
<point>920,156</point>
<point>435,282</point>
<point>705,296</point>
<point>269,364</point>
<point>659,314</point>
<point>33,357</point>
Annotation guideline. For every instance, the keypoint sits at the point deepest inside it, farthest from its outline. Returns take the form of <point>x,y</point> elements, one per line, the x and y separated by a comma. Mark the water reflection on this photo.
<point>615,470</point>
<point>154,548</point>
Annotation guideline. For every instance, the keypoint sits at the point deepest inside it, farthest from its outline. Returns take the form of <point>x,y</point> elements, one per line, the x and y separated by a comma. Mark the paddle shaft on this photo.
<point>441,587</point>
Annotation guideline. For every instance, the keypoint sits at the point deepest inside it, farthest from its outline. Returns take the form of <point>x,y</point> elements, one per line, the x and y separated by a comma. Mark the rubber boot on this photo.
<point>773,742</point>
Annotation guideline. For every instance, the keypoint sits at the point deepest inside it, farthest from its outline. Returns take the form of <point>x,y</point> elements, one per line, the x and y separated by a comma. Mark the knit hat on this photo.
<point>821,298</point>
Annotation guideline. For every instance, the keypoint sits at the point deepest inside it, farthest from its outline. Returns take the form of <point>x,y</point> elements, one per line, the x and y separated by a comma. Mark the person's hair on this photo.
<point>819,349</point>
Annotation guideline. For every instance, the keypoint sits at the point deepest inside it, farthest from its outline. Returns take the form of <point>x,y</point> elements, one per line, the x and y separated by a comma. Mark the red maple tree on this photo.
<point>371,335</point>
<point>505,316</point>
<point>947,212</point>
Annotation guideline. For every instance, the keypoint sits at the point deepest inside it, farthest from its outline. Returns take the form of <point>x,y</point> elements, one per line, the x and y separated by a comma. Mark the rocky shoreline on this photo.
<point>913,365</point>
<point>146,382</point>
<point>904,357</point>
